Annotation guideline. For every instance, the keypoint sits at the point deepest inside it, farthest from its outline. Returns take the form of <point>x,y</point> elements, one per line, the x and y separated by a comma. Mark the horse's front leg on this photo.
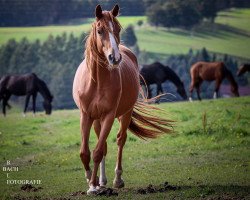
<point>34,103</point>
<point>121,139</point>
<point>26,104</point>
<point>98,153</point>
<point>85,125</point>
<point>103,178</point>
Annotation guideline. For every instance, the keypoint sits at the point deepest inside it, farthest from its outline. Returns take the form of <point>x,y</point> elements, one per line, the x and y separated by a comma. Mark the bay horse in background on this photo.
<point>157,73</point>
<point>106,86</point>
<point>211,71</point>
<point>243,69</point>
<point>27,84</point>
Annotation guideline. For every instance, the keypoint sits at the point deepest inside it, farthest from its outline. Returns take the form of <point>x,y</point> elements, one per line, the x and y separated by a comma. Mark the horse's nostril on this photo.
<point>111,58</point>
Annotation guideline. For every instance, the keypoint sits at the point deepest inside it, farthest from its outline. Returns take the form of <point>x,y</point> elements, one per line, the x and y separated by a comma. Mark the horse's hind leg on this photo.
<point>191,88</point>
<point>121,139</point>
<point>103,178</point>
<point>4,106</point>
<point>85,125</point>
<point>217,87</point>
<point>7,97</point>
<point>26,104</point>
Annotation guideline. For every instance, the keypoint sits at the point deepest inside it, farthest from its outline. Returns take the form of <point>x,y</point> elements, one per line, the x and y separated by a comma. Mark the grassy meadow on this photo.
<point>77,27</point>
<point>230,34</point>
<point>207,156</point>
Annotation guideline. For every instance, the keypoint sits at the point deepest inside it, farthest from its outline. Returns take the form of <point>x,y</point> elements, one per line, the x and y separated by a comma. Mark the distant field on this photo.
<point>207,159</point>
<point>42,32</point>
<point>229,35</point>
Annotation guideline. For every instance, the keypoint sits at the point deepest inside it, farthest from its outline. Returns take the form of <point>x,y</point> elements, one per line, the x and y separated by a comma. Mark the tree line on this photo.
<point>182,63</point>
<point>56,60</point>
<point>43,12</point>
<point>169,13</point>
<point>186,14</point>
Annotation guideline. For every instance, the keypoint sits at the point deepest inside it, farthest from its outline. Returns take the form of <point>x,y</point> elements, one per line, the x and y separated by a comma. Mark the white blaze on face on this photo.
<point>113,43</point>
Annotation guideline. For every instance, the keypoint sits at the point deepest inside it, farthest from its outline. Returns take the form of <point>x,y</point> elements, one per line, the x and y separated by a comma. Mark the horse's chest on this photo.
<point>100,103</point>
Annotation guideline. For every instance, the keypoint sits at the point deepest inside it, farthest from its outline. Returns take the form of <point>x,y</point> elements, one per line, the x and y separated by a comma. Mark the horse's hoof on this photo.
<point>92,190</point>
<point>118,183</point>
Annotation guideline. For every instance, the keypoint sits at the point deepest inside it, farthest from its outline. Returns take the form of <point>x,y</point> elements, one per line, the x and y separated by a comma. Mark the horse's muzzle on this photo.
<point>113,62</point>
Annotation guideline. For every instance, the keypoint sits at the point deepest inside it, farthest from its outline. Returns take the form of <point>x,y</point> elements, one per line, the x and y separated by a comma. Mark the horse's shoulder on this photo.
<point>128,53</point>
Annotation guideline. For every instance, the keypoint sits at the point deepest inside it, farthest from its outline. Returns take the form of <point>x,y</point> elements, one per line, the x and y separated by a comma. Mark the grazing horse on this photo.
<point>157,73</point>
<point>210,71</point>
<point>27,84</point>
<point>243,69</point>
<point>106,86</point>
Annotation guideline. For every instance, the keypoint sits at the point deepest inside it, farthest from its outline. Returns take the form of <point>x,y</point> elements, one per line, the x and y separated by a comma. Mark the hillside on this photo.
<point>207,156</point>
<point>230,34</point>
<point>77,27</point>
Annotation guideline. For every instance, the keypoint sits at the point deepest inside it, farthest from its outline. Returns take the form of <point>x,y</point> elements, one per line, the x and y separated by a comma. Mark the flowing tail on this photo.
<point>145,125</point>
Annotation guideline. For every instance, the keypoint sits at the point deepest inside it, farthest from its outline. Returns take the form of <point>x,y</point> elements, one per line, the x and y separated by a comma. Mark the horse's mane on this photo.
<point>44,89</point>
<point>173,76</point>
<point>92,55</point>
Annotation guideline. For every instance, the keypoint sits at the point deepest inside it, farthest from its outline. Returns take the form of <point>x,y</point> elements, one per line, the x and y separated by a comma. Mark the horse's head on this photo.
<point>242,70</point>
<point>234,90</point>
<point>181,90</point>
<point>47,105</point>
<point>104,38</point>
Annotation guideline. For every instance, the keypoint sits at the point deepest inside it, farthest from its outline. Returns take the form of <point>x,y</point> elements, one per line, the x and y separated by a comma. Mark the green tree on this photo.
<point>128,36</point>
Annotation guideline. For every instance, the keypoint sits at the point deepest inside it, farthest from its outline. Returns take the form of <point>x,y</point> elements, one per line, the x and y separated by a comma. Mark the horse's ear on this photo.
<point>115,10</point>
<point>98,11</point>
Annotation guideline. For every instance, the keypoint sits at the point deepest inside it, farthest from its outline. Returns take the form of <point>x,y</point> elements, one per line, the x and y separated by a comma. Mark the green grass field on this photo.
<point>230,34</point>
<point>208,158</point>
<point>42,32</point>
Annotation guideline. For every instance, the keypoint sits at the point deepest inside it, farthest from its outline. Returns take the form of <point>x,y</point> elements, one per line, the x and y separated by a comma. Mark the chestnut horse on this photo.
<point>106,87</point>
<point>210,71</point>
<point>243,69</point>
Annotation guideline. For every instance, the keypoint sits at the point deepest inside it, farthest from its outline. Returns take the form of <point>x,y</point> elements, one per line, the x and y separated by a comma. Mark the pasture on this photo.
<point>77,27</point>
<point>207,156</point>
<point>229,34</point>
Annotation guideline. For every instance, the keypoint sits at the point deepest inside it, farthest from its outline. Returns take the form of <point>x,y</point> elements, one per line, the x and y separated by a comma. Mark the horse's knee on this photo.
<point>98,155</point>
<point>121,138</point>
<point>85,155</point>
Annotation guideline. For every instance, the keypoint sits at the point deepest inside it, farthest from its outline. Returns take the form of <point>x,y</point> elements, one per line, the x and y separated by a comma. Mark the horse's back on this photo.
<point>18,84</point>
<point>155,72</point>
<point>207,70</point>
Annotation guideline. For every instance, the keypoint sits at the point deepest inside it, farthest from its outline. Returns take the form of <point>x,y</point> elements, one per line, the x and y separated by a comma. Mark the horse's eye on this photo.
<point>99,32</point>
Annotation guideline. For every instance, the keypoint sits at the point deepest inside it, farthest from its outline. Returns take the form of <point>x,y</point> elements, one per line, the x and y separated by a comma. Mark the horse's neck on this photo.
<point>174,78</point>
<point>230,78</point>
<point>99,75</point>
<point>43,90</point>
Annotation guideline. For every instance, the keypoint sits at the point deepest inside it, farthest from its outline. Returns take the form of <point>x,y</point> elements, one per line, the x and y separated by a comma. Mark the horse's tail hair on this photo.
<point>145,125</point>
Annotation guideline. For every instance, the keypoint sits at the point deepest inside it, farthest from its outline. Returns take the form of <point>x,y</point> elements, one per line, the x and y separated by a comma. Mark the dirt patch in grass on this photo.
<point>30,188</point>
<point>154,189</point>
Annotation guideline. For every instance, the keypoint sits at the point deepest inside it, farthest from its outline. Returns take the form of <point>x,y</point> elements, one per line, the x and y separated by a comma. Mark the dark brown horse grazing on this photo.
<point>27,84</point>
<point>106,86</point>
<point>156,73</point>
<point>243,69</point>
<point>210,71</point>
